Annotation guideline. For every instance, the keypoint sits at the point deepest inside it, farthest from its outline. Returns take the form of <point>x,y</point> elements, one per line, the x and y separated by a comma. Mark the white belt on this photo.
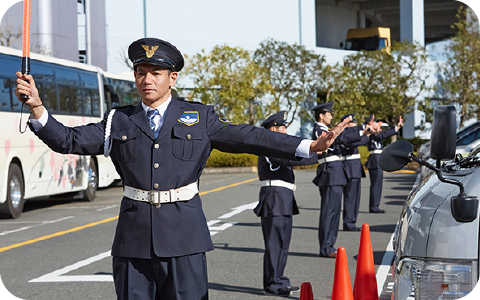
<point>352,156</point>
<point>329,159</point>
<point>379,151</point>
<point>281,183</point>
<point>156,198</point>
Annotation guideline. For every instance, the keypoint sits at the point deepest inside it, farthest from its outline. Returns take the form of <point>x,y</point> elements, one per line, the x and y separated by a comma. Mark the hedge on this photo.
<point>223,159</point>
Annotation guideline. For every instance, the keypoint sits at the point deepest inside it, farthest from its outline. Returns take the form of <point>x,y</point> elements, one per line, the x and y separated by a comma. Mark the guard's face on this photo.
<point>153,83</point>
<point>326,118</point>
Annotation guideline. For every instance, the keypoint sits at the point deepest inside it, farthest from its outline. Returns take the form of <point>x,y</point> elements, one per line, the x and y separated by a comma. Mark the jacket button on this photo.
<point>124,137</point>
<point>155,186</point>
<point>189,136</point>
<point>155,165</point>
<point>157,146</point>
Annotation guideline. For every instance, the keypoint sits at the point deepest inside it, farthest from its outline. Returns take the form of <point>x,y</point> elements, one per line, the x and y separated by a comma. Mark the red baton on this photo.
<point>26,42</point>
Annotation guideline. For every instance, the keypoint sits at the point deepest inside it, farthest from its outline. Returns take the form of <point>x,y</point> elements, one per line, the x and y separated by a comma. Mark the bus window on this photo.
<point>49,97</point>
<point>89,80</point>
<point>76,106</point>
<point>9,66</point>
<point>40,71</point>
<point>64,96</point>
<point>5,94</point>
<point>95,103</point>
<point>67,77</point>
<point>87,102</point>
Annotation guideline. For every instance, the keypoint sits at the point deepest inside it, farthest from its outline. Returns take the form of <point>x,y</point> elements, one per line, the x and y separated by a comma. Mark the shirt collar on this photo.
<point>323,126</point>
<point>161,108</point>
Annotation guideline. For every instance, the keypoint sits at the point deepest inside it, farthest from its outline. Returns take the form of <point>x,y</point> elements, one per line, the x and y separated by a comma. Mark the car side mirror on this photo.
<point>396,156</point>
<point>443,139</point>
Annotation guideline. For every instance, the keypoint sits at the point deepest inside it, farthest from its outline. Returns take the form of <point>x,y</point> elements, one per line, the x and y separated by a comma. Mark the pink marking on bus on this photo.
<point>64,180</point>
<point>32,145</point>
<point>7,147</point>
<point>71,123</point>
<point>83,120</point>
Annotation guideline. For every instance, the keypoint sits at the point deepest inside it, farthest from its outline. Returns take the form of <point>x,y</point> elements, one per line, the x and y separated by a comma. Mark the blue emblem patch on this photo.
<point>189,118</point>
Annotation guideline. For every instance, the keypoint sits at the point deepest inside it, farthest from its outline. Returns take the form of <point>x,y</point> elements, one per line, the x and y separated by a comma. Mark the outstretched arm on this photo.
<point>324,141</point>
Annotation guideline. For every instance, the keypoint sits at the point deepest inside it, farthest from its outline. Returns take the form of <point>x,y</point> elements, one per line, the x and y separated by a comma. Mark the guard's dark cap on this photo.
<point>155,52</point>
<point>368,119</point>
<point>349,115</point>
<point>323,108</point>
<point>277,119</point>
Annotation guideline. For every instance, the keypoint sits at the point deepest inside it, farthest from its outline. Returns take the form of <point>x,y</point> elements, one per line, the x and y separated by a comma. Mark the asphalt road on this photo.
<point>60,249</point>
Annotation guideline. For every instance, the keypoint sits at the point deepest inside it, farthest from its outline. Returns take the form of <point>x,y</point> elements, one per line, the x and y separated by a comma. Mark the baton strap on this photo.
<point>156,198</point>
<point>281,183</point>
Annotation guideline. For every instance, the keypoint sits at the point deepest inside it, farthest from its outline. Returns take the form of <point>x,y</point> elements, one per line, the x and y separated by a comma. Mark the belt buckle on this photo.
<point>155,198</point>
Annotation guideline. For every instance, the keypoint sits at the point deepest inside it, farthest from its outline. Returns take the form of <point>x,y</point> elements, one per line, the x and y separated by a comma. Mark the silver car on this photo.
<point>437,238</point>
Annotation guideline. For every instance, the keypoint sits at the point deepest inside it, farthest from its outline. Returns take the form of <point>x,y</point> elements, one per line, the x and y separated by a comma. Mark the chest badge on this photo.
<point>189,118</point>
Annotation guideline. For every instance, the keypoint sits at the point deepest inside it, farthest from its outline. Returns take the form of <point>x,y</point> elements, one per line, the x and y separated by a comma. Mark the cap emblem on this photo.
<point>148,51</point>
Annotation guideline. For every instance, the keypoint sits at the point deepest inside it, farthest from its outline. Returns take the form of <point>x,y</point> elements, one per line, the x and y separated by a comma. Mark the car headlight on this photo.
<point>428,279</point>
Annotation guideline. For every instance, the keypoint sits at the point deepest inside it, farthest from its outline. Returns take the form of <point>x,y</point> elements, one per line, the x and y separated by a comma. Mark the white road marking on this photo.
<point>384,268</point>
<point>239,209</point>
<point>58,276</point>
<point>40,224</point>
<point>5,294</point>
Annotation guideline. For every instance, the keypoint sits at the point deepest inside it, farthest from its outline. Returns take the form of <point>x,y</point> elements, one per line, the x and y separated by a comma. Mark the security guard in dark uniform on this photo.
<point>276,206</point>
<point>330,179</point>
<point>354,173</point>
<point>159,148</point>
<point>375,147</point>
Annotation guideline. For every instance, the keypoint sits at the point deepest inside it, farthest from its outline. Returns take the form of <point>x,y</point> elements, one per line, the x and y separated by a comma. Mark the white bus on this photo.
<point>75,94</point>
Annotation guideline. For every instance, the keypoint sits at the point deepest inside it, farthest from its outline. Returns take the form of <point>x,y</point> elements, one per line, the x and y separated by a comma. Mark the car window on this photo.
<point>467,139</point>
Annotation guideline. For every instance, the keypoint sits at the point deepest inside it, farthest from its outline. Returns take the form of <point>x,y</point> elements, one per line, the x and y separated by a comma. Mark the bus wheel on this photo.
<point>13,206</point>
<point>89,193</point>
<point>92,184</point>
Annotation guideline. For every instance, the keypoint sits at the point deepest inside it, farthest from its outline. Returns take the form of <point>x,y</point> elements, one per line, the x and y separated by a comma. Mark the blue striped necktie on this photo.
<point>151,115</point>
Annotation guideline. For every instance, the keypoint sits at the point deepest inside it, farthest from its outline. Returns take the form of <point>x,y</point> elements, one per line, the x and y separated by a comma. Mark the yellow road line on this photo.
<point>224,187</point>
<point>46,237</point>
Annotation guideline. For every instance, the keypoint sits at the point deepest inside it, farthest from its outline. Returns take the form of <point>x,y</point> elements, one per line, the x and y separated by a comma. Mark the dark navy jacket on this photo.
<point>333,173</point>
<point>181,150</point>
<point>353,167</point>
<point>375,143</point>
<point>277,200</point>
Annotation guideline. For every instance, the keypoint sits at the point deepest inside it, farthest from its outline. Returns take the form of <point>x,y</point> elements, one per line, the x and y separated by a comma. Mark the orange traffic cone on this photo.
<point>342,286</point>
<point>365,287</point>
<point>306,291</point>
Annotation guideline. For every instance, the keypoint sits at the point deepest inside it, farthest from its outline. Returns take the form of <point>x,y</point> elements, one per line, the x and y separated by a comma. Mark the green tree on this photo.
<point>294,73</point>
<point>378,82</point>
<point>459,77</point>
<point>229,79</point>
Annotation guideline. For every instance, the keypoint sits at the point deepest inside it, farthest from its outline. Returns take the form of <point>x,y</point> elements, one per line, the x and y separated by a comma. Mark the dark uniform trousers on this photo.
<point>331,180</point>
<point>352,190</point>
<point>275,207</point>
<point>174,237</point>
<point>374,170</point>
